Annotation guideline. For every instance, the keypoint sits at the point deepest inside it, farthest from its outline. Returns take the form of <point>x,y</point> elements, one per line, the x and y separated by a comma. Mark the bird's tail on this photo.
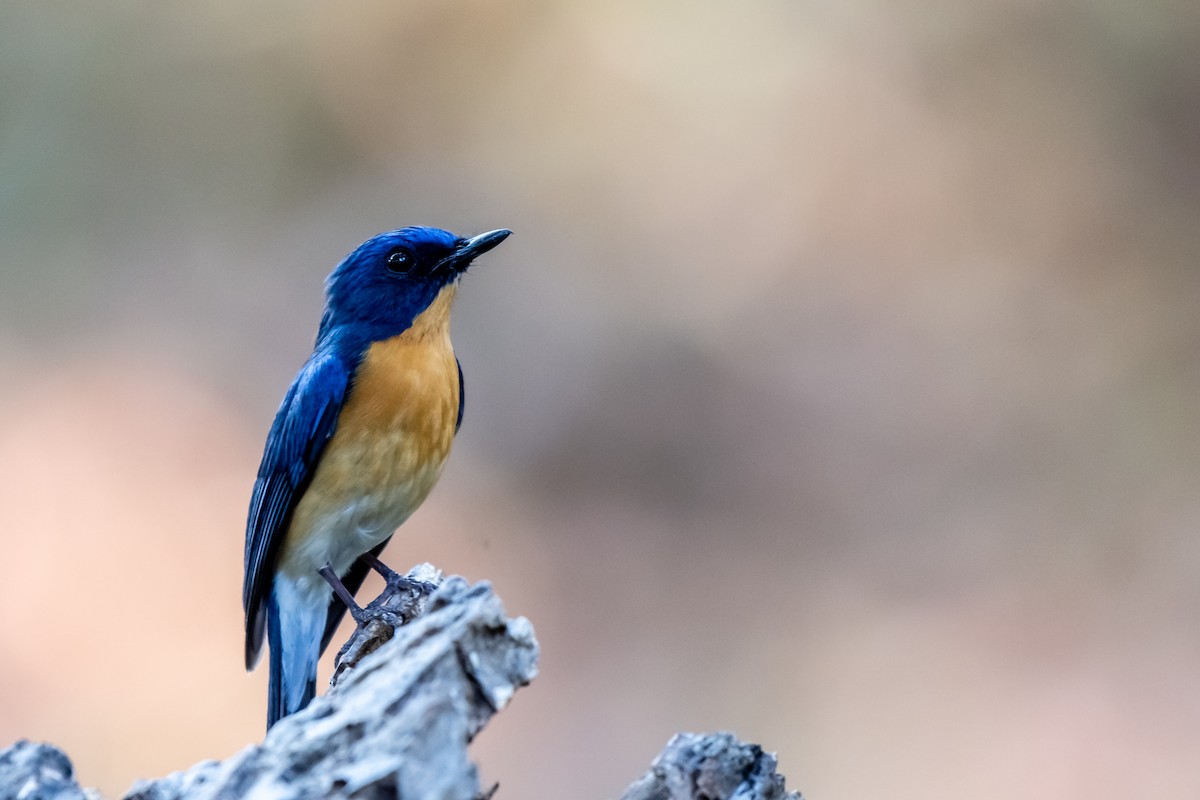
<point>294,625</point>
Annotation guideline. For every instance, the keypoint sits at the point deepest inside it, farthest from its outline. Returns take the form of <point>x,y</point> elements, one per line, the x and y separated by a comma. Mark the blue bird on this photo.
<point>358,443</point>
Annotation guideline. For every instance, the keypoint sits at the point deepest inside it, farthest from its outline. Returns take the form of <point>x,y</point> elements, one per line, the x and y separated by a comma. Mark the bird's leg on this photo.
<point>342,592</point>
<point>372,561</point>
<point>395,581</point>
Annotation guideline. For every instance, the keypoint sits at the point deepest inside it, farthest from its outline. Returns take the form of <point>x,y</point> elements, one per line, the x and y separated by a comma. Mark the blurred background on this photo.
<point>839,386</point>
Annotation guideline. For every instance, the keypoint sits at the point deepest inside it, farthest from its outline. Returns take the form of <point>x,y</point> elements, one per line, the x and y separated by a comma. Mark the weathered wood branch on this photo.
<point>421,675</point>
<point>714,766</point>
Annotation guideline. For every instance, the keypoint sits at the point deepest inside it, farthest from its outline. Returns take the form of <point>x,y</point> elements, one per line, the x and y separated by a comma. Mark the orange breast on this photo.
<point>393,437</point>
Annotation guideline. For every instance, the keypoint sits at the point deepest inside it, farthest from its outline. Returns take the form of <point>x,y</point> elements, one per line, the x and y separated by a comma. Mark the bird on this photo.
<point>357,444</point>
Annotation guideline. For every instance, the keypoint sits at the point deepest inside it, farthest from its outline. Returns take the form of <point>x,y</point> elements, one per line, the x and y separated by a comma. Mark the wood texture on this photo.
<point>430,663</point>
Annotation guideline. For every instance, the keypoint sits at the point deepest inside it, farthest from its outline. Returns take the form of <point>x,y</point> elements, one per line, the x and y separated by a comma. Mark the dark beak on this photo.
<point>473,247</point>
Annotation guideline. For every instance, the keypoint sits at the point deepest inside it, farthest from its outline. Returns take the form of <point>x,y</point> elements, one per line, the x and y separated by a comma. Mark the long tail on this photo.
<point>294,625</point>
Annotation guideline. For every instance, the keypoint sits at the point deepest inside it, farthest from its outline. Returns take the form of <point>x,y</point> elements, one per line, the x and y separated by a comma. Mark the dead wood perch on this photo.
<point>713,766</point>
<point>416,682</point>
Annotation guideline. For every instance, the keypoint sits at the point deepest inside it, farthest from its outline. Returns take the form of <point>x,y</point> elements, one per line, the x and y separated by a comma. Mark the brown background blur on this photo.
<point>839,386</point>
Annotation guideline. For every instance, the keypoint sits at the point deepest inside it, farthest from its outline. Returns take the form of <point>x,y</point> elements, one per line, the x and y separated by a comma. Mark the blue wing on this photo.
<point>305,422</point>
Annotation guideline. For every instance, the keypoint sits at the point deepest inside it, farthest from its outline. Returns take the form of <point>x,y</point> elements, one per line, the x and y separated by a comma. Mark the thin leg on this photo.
<point>341,591</point>
<point>383,569</point>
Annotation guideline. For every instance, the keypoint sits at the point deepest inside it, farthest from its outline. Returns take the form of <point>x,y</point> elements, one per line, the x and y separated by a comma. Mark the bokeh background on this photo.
<point>839,387</point>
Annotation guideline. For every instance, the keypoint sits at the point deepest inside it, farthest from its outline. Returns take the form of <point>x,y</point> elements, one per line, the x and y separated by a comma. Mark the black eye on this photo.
<point>399,260</point>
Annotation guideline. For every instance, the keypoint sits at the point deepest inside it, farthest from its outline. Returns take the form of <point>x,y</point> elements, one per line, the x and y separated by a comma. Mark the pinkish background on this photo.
<point>839,387</point>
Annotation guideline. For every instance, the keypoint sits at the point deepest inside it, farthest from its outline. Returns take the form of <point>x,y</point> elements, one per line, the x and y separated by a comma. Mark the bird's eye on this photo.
<point>399,261</point>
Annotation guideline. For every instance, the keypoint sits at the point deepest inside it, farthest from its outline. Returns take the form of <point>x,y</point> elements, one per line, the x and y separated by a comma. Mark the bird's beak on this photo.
<point>473,247</point>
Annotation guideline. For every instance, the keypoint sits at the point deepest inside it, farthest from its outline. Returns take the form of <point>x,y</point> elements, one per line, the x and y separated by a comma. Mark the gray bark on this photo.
<point>714,766</point>
<point>33,771</point>
<point>419,678</point>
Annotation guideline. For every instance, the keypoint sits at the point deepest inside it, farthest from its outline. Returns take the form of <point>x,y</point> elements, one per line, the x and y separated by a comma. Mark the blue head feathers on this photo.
<point>379,289</point>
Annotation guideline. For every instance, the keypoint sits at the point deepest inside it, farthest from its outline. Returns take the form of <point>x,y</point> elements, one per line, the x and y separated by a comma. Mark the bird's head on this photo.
<point>381,287</point>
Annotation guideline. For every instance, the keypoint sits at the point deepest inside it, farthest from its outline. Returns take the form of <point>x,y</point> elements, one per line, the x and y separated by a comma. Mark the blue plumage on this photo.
<point>363,303</point>
<point>375,295</point>
<point>305,421</point>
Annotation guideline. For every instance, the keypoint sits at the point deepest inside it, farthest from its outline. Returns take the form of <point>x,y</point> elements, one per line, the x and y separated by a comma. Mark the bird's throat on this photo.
<point>433,323</point>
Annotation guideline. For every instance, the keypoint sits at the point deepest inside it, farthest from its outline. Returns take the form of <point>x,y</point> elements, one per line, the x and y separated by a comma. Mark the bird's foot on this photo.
<point>395,581</point>
<point>402,600</point>
<point>356,611</point>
